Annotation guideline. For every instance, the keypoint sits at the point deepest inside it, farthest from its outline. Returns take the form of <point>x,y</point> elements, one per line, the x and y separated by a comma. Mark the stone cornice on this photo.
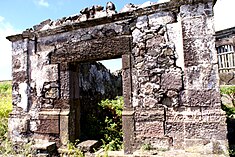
<point>172,5</point>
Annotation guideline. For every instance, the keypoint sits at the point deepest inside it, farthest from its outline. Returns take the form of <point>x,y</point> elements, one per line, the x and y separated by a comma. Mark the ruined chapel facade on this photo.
<point>169,73</point>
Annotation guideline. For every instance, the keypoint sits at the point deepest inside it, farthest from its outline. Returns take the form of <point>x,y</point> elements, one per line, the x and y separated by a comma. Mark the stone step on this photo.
<point>46,148</point>
<point>42,155</point>
<point>88,145</point>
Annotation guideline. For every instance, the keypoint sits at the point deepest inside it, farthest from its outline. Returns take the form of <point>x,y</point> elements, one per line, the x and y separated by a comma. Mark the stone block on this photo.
<point>161,18</point>
<point>201,77</point>
<point>46,148</point>
<point>175,130</point>
<point>150,88</point>
<point>174,116</point>
<point>199,51</point>
<point>227,78</point>
<point>50,73</point>
<point>128,130</point>
<point>205,130</point>
<point>64,127</point>
<point>126,61</point>
<point>154,43</point>
<point>142,22</point>
<point>174,32</point>
<point>162,143</point>
<point>205,97</point>
<point>198,27</point>
<point>200,9</point>
<point>137,36</point>
<point>61,103</point>
<point>24,94</point>
<point>126,79</point>
<point>19,47</point>
<point>88,146</point>
<point>48,126</point>
<point>172,80</point>
<point>64,84</point>
<point>155,143</point>
<point>49,122</point>
<point>213,114</point>
<point>18,125</point>
<point>96,49</point>
<point>149,129</point>
<point>19,63</point>
<point>150,115</point>
<point>20,76</point>
<point>149,102</point>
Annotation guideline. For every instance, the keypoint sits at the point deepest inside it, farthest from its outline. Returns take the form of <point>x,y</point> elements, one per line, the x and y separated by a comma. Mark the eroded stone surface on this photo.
<point>169,74</point>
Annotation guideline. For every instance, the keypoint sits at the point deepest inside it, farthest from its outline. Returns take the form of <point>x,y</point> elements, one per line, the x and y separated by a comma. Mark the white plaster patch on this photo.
<point>137,36</point>
<point>174,32</point>
<point>23,91</point>
<point>142,22</point>
<point>162,18</point>
<point>41,71</point>
<point>33,126</point>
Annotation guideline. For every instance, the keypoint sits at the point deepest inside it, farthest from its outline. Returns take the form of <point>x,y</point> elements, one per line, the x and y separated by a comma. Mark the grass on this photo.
<point>5,107</point>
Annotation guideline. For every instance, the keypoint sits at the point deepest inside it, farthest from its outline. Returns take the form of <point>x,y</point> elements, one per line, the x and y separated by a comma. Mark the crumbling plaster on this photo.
<point>170,74</point>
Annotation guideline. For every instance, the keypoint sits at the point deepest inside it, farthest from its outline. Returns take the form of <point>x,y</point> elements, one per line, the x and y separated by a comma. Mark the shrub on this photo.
<point>229,92</point>
<point>112,130</point>
<point>73,150</point>
<point>105,123</point>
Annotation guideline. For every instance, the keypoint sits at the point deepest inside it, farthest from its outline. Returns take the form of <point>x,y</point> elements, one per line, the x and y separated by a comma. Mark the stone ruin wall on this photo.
<point>169,72</point>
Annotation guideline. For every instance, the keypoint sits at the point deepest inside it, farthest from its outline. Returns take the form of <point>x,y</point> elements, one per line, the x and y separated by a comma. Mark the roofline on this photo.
<point>172,5</point>
<point>225,32</point>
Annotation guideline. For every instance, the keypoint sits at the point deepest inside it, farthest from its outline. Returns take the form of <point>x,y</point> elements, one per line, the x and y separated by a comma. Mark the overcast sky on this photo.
<point>17,15</point>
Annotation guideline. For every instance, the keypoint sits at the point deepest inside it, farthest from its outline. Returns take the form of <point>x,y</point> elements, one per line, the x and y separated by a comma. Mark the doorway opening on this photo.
<point>99,114</point>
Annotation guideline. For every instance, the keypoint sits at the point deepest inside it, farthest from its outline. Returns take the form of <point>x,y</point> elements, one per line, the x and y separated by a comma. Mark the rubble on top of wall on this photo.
<point>93,12</point>
<point>97,14</point>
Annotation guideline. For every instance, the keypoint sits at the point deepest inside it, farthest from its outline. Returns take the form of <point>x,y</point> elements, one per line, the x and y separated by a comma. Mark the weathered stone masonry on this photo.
<point>170,76</point>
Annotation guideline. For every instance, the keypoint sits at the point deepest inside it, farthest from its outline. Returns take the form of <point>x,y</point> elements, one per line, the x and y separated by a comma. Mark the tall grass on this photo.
<point>5,107</point>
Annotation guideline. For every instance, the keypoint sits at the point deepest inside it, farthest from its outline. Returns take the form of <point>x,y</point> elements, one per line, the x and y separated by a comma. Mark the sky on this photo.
<point>18,15</point>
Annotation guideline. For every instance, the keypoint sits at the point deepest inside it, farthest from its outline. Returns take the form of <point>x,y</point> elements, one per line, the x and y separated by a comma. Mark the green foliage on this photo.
<point>73,150</point>
<point>112,130</point>
<point>3,128</point>
<point>146,147</point>
<point>230,111</point>
<point>232,150</point>
<point>229,92</point>
<point>5,108</point>
<point>7,148</point>
<point>105,123</point>
<point>5,99</point>
<point>5,87</point>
